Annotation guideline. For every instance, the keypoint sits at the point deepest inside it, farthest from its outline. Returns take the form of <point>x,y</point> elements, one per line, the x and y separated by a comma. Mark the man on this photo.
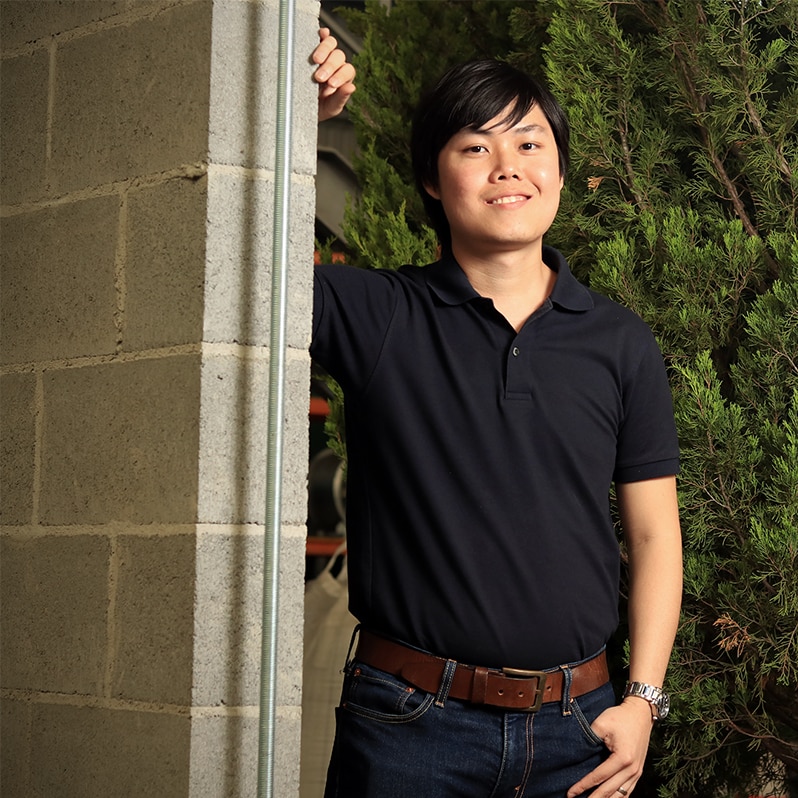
<point>491,401</point>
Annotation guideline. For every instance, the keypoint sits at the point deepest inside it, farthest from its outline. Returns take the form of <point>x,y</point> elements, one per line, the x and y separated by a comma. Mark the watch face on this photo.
<point>664,706</point>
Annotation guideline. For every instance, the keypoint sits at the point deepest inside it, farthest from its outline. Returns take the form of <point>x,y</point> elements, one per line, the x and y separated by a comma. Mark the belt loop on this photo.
<point>446,682</point>
<point>355,635</point>
<point>567,676</point>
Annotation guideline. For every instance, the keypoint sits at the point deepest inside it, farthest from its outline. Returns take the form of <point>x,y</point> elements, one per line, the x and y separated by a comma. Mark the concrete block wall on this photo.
<point>137,193</point>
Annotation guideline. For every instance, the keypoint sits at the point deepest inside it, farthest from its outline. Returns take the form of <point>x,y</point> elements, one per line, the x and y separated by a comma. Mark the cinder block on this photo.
<point>165,265</point>
<point>230,567</point>
<point>233,430</point>
<point>153,649</point>
<point>239,261</point>
<point>29,21</point>
<point>86,751</point>
<point>17,447</point>
<point>15,721</point>
<point>55,599</point>
<point>296,460</point>
<point>300,292</point>
<point>305,91</point>
<point>120,442</point>
<point>291,613</point>
<point>224,757</point>
<point>228,608</point>
<point>23,123</point>
<point>288,740</point>
<point>58,297</point>
<point>234,439</point>
<point>243,116</point>
<point>132,100</point>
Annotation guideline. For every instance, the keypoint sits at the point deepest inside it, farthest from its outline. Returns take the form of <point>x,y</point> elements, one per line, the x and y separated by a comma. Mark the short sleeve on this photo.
<point>648,445</point>
<point>352,312</point>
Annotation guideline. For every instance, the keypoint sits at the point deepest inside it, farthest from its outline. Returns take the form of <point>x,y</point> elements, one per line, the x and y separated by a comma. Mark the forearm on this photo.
<point>655,591</point>
<point>651,523</point>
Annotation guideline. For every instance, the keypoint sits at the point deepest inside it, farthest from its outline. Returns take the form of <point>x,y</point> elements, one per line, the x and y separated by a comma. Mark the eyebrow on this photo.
<point>488,131</point>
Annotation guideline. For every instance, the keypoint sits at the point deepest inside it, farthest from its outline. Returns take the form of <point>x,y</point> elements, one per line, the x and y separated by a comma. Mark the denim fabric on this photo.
<point>395,741</point>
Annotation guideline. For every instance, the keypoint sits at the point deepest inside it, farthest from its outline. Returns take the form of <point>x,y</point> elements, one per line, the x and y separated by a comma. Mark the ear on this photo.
<point>431,190</point>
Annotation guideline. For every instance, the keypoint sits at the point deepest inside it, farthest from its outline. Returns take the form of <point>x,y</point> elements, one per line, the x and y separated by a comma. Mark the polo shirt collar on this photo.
<point>449,283</point>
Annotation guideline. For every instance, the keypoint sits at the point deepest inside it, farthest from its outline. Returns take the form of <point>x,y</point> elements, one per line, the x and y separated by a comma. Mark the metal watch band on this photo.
<point>659,700</point>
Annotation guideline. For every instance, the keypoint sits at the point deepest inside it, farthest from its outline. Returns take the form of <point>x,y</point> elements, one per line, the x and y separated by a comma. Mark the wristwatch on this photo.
<point>660,701</point>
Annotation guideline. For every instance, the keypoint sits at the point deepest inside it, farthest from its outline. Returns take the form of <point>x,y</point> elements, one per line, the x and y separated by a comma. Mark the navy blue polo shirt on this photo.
<point>480,459</point>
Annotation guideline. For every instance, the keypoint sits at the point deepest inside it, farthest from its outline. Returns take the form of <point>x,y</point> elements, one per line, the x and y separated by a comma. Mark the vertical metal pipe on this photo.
<point>282,181</point>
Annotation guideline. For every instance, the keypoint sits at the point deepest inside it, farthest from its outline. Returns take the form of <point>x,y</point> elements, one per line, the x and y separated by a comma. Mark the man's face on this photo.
<point>500,186</point>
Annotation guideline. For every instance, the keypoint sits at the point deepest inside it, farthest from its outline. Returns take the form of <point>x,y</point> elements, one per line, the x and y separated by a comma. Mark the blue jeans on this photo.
<point>395,741</point>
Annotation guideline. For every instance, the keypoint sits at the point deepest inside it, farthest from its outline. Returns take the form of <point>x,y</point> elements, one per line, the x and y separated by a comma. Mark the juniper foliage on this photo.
<point>682,203</point>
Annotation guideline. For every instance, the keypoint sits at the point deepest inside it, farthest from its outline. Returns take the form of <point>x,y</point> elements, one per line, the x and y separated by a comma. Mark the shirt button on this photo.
<point>516,351</point>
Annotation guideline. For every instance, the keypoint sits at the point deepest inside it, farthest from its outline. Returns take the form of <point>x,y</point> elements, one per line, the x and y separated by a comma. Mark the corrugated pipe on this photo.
<point>282,182</point>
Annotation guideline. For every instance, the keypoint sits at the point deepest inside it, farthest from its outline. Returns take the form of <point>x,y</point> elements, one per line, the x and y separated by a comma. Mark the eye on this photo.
<point>529,145</point>
<point>476,148</point>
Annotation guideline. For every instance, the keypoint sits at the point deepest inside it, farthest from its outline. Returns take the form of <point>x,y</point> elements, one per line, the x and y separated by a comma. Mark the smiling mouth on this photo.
<point>508,200</point>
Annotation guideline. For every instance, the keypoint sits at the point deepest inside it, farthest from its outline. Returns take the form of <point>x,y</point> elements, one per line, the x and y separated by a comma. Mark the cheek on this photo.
<point>452,196</point>
<point>460,186</point>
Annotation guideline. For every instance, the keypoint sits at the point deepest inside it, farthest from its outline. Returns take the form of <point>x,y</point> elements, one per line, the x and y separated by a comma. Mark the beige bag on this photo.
<point>328,631</point>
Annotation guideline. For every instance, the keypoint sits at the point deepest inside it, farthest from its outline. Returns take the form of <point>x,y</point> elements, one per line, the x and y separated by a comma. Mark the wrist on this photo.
<point>642,706</point>
<point>654,696</point>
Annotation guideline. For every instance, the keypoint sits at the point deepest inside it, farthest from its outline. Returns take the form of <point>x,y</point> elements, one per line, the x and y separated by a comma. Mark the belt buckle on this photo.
<point>541,676</point>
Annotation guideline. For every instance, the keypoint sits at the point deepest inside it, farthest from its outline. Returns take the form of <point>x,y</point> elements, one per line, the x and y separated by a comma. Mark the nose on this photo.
<point>505,166</point>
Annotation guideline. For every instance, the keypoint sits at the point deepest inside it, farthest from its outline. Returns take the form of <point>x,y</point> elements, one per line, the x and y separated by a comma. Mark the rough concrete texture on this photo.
<point>127,436</point>
<point>15,723</point>
<point>234,436</point>
<point>224,751</point>
<point>288,728</point>
<point>153,644</point>
<point>58,296</point>
<point>137,302</point>
<point>291,617</point>
<point>164,264</point>
<point>149,111</point>
<point>23,124</point>
<point>239,260</point>
<point>295,440</point>
<point>229,607</point>
<point>32,20</point>
<point>242,129</point>
<point>55,602</point>
<point>91,751</point>
<point>17,447</point>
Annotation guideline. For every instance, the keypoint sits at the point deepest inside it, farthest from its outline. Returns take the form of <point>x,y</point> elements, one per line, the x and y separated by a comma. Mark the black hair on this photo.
<point>468,96</point>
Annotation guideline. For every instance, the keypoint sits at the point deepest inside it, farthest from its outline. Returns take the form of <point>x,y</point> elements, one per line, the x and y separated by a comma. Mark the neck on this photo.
<point>518,282</point>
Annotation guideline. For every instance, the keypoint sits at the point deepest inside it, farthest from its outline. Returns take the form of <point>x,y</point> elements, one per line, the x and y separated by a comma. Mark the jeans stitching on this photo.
<point>530,754</point>
<point>503,766</point>
<point>584,725</point>
<point>381,717</point>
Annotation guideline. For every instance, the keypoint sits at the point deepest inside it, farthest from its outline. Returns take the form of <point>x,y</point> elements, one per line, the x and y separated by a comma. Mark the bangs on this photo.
<point>487,100</point>
<point>518,111</point>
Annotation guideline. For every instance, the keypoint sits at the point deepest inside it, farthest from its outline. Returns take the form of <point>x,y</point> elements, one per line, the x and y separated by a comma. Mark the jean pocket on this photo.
<point>588,707</point>
<point>374,694</point>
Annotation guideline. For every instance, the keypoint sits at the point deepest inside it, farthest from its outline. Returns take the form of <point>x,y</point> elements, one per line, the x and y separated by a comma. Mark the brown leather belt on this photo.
<point>507,688</point>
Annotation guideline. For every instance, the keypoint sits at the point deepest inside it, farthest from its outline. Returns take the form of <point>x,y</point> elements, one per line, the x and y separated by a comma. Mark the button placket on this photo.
<point>517,368</point>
